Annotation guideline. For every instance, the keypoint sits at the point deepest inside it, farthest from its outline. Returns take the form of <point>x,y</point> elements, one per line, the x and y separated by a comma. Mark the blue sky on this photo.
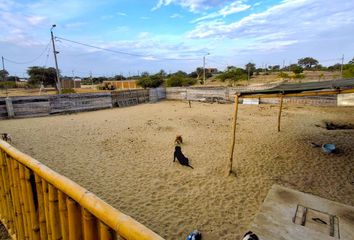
<point>161,31</point>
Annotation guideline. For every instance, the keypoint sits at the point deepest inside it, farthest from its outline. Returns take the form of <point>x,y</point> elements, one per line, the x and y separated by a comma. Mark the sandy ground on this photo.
<point>125,157</point>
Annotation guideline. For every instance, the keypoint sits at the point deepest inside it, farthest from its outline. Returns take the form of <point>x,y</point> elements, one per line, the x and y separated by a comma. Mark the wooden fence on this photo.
<point>130,97</point>
<point>36,106</point>
<point>38,203</point>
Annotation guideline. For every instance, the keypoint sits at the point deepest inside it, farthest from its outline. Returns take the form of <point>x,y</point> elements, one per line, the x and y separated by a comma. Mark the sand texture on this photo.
<point>125,156</point>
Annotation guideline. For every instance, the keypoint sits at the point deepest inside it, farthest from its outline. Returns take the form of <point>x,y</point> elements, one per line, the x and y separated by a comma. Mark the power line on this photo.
<point>31,61</point>
<point>127,53</point>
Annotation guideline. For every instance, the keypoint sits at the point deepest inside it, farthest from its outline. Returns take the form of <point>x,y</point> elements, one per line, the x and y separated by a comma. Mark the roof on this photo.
<point>309,86</point>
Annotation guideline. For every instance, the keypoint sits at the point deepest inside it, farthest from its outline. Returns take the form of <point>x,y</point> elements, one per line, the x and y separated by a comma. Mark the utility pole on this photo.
<point>3,68</point>
<point>341,67</point>
<point>91,78</point>
<point>55,59</point>
<point>248,75</point>
<point>204,67</point>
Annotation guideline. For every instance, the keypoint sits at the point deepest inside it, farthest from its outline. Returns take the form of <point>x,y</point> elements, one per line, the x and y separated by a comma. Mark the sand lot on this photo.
<point>125,156</point>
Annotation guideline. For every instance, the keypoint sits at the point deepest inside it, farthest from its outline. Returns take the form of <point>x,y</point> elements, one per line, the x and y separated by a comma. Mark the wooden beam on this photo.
<point>233,135</point>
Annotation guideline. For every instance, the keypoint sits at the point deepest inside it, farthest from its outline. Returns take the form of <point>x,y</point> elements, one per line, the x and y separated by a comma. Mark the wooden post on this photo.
<point>233,135</point>
<point>189,101</point>
<point>9,107</point>
<point>280,109</point>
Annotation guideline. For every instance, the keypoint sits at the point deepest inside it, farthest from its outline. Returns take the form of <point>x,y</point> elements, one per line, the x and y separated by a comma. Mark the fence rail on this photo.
<point>38,203</point>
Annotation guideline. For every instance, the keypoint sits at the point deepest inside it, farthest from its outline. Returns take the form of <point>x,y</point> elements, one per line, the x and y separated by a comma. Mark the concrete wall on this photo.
<point>346,99</point>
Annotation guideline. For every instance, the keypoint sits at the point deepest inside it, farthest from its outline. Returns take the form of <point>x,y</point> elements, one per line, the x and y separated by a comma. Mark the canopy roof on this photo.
<point>285,88</point>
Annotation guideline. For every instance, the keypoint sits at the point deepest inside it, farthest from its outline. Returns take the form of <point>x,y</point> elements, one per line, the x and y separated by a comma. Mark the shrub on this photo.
<point>283,75</point>
<point>4,85</point>
<point>299,76</point>
<point>153,81</point>
<point>106,86</point>
<point>179,80</point>
<point>67,90</point>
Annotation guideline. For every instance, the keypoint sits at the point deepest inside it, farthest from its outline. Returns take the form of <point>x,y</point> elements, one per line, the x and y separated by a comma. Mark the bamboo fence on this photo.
<point>38,203</point>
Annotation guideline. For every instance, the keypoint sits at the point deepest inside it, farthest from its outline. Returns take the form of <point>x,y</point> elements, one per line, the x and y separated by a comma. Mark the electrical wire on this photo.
<point>31,61</point>
<point>126,53</point>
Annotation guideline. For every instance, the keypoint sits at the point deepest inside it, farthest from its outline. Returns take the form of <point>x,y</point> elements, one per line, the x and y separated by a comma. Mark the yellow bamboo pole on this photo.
<point>124,225</point>
<point>233,135</point>
<point>74,217</point>
<point>63,212</point>
<point>4,208</point>
<point>15,200</point>
<point>54,213</point>
<point>89,225</point>
<point>33,213</point>
<point>41,209</point>
<point>26,204</point>
<point>22,201</point>
<point>106,233</point>
<point>280,109</point>
<point>10,208</point>
<point>46,208</point>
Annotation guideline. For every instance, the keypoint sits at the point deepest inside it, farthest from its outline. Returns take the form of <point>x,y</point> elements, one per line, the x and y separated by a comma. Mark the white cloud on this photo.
<point>121,14</point>
<point>144,18</point>
<point>191,5</point>
<point>176,15</point>
<point>303,17</point>
<point>234,7</point>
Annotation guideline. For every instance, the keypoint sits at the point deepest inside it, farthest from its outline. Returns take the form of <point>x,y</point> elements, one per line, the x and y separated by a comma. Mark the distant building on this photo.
<point>211,70</point>
<point>124,84</point>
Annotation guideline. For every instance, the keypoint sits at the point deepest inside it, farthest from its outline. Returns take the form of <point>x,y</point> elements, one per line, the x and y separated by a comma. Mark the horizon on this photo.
<point>152,34</point>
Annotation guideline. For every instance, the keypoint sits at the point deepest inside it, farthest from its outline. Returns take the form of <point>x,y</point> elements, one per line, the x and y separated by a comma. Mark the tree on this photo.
<point>150,81</point>
<point>119,77</point>
<point>335,67</point>
<point>348,71</point>
<point>233,74</point>
<point>307,62</point>
<point>178,79</point>
<point>251,68</point>
<point>351,61</point>
<point>38,75</point>
<point>3,75</point>
<point>13,79</point>
<point>296,69</point>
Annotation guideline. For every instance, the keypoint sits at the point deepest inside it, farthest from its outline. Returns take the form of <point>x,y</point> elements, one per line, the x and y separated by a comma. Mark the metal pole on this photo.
<point>341,67</point>
<point>203,69</point>
<point>55,59</point>
<point>3,69</point>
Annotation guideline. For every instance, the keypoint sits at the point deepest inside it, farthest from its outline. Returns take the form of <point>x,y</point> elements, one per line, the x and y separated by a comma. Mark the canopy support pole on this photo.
<point>280,109</point>
<point>233,135</point>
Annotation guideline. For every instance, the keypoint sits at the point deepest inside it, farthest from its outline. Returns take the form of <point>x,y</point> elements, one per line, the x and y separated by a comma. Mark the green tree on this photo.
<point>335,67</point>
<point>351,61</point>
<point>3,75</point>
<point>251,67</point>
<point>119,77</point>
<point>307,62</point>
<point>348,71</point>
<point>296,69</point>
<point>38,75</point>
<point>13,79</point>
<point>178,80</point>
<point>150,81</point>
<point>233,75</point>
